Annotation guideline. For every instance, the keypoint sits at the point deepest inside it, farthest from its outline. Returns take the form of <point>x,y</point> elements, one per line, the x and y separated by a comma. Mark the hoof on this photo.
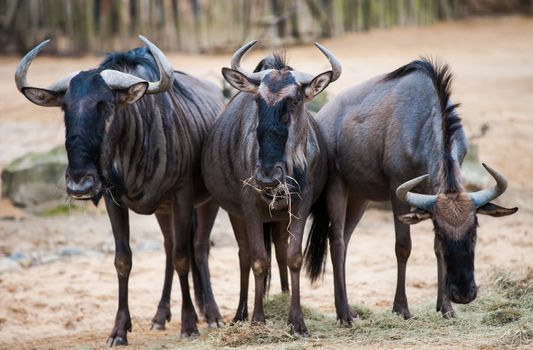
<point>449,314</point>
<point>157,327</point>
<point>300,332</point>
<point>300,335</point>
<point>116,341</point>
<point>345,318</point>
<point>187,335</point>
<point>217,324</point>
<point>402,311</point>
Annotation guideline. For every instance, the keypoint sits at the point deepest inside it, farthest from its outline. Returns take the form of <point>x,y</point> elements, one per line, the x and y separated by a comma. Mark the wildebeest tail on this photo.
<point>196,280</point>
<point>317,241</point>
<point>267,236</point>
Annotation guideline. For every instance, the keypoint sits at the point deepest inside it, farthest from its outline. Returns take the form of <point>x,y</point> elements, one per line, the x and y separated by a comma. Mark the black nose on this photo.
<point>80,187</point>
<point>462,295</point>
<point>269,173</point>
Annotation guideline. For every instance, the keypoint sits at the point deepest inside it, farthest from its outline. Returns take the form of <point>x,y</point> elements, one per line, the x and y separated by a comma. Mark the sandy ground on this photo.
<point>71,302</point>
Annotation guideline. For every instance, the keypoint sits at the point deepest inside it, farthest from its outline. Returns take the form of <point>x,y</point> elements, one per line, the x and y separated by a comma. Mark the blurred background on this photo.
<point>57,277</point>
<point>211,26</point>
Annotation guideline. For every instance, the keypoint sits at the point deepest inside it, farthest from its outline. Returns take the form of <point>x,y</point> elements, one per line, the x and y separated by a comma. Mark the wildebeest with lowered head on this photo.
<point>264,161</point>
<point>134,133</point>
<point>382,134</point>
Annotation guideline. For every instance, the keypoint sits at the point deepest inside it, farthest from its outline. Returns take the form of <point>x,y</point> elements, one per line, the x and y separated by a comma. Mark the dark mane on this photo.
<point>442,77</point>
<point>128,61</point>
<point>278,61</point>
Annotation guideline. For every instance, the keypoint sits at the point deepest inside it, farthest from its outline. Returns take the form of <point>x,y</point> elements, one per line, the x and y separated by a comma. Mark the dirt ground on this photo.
<point>71,302</point>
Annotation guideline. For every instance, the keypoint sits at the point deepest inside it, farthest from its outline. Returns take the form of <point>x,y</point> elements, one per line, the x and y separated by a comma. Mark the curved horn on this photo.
<point>236,62</point>
<point>421,201</point>
<point>336,67</point>
<point>480,198</point>
<point>22,70</point>
<point>236,58</point>
<point>166,72</point>
<point>119,80</point>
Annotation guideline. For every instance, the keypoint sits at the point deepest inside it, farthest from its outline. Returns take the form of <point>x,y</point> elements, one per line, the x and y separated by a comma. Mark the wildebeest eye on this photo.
<point>285,118</point>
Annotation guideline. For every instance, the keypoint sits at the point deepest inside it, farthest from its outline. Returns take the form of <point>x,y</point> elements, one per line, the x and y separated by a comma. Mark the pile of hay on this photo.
<point>502,316</point>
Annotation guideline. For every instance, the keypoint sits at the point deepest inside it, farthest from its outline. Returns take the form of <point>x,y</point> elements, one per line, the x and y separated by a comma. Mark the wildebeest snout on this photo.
<point>82,185</point>
<point>462,295</point>
<point>268,174</point>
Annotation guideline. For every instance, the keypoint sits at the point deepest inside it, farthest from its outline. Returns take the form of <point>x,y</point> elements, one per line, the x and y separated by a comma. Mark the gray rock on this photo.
<point>71,251</point>
<point>8,265</point>
<point>49,258</point>
<point>36,178</point>
<point>21,258</point>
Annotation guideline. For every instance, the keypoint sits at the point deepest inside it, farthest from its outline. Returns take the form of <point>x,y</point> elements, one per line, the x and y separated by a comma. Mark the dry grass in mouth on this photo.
<point>279,193</point>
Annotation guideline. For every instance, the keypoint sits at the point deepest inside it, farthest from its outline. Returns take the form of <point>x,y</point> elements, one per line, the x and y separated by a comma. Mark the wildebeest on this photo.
<point>380,135</point>
<point>264,161</point>
<point>134,133</point>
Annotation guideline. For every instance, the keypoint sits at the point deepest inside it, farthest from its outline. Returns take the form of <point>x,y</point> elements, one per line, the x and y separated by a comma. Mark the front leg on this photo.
<point>295,260</point>
<point>259,260</point>
<point>444,305</point>
<point>118,215</point>
<point>182,211</point>
<point>280,237</point>
<point>239,228</point>
<point>403,251</point>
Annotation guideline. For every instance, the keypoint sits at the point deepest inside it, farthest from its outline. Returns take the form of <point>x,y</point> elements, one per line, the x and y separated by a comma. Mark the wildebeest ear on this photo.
<point>239,81</point>
<point>133,93</point>
<point>319,83</point>
<point>414,217</point>
<point>495,210</point>
<point>43,97</point>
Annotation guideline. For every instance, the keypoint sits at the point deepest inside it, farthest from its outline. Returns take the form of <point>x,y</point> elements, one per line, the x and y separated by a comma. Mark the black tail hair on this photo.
<point>199,294</point>
<point>267,236</point>
<point>441,76</point>
<point>317,241</point>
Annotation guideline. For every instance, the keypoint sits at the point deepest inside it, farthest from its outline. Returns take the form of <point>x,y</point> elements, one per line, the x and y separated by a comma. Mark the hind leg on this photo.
<point>206,218</point>
<point>337,201</point>
<point>280,237</point>
<point>239,230</point>
<point>163,310</point>
<point>403,251</point>
<point>354,212</point>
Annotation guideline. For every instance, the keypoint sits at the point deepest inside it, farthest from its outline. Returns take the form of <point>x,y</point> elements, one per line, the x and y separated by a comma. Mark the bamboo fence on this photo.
<point>80,26</point>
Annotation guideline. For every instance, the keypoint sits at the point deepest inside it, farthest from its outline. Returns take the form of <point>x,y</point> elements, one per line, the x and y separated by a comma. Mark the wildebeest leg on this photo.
<point>295,260</point>
<point>354,212</point>
<point>239,230</point>
<point>206,218</point>
<point>259,259</point>
<point>444,305</point>
<point>403,250</point>
<point>121,232</point>
<point>337,200</point>
<point>182,209</point>
<point>163,313</point>
<point>280,237</point>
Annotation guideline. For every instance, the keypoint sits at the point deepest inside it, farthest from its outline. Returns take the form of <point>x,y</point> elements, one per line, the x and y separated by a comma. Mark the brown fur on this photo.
<point>454,214</point>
